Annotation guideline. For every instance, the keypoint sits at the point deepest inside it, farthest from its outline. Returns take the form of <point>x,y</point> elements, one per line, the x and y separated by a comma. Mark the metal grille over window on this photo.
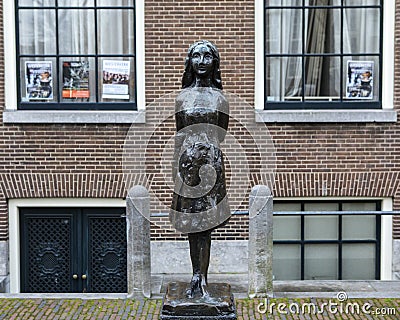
<point>108,258</point>
<point>49,254</point>
<point>73,250</point>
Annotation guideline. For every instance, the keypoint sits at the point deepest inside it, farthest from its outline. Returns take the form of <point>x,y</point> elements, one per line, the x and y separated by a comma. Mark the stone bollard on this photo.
<point>260,242</point>
<point>138,246</point>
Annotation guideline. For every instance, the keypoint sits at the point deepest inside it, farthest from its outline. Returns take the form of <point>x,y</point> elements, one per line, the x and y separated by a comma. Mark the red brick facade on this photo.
<point>313,160</point>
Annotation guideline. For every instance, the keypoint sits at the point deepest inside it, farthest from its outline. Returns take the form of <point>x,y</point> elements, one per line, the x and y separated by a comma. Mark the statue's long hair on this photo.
<point>188,77</point>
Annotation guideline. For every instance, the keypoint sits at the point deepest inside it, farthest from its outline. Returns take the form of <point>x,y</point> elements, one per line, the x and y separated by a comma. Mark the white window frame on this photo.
<point>386,114</point>
<point>11,113</point>
<point>386,228</point>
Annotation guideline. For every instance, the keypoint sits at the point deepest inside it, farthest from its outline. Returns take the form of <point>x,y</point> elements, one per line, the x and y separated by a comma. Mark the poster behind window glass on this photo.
<point>360,79</point>
<point>39,80</point>
<point>116,79</point>
<point>75,80</point>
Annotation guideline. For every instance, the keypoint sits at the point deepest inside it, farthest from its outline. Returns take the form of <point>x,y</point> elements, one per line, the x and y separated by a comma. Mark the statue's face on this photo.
<point>202,60</point>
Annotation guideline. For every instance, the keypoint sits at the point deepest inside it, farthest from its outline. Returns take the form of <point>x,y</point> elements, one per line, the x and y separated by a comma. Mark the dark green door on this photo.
<point>73,250</point>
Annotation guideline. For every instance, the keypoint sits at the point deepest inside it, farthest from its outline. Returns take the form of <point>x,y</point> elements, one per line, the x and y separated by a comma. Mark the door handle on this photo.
<point>75,277</point>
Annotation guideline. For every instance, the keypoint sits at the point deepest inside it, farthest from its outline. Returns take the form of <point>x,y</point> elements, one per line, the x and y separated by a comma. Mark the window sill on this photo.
<point>46,116</point>
<point>303,116</point>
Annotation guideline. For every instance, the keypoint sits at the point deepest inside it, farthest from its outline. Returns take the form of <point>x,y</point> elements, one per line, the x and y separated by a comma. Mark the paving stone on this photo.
<point>150,309</point>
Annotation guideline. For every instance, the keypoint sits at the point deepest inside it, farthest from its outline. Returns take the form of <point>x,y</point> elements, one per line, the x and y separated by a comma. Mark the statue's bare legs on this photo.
<point>200,245</point>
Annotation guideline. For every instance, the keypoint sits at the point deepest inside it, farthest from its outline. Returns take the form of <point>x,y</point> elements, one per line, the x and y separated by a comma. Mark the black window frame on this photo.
<point>84,106</point>
<point>340,241</point>
<point>342,104</point>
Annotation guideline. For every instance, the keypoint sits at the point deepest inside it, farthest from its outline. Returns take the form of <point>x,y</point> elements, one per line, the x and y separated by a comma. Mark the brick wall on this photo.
<point>86,160</point>
<point>171,26</point>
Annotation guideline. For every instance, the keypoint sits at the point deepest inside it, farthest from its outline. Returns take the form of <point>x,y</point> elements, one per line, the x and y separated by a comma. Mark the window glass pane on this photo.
<point>284,79</point>
<point>283,31</point>
<point>322,30</point>
<point>117,79</point>
<point>116,31</point>
<point>284,3</point>
<point>76,31</point>
<point>359,227</point>
<point>287,206</point>
<point>78,80</point>
<point>322,2</point>
<point>321,227</point>
<point>361,30</point>
<point>114,3</point>
<point>287,228</point>
<point>36,3</point>
<point>359,206</point>
<point>322,78</point>
<point>287,262</point>
<point>361,2</point>
<point>36,31</point>
<point>362,78</point>
<point>38,80</point>
<point>75,3</point>
<point>321,206</point>
<point>321,262</point>
<point>358,261</point>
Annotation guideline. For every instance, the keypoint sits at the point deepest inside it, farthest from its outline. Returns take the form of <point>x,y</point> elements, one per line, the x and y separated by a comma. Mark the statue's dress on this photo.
<point>200,199</point>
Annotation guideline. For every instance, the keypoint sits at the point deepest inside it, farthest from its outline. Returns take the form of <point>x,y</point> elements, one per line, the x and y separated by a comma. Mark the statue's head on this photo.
<point>209,67</point>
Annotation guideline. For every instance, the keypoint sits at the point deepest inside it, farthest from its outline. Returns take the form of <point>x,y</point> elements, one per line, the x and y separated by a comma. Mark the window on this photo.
<point>79,55</point>
<point>76,54</point>
<point>320,51</point>
<point>54,205</point>
<point>327,246</point>
<point>318,56</point>
<point>68,250</point>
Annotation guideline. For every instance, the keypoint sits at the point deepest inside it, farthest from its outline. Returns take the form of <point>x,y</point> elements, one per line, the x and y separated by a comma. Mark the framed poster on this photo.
<point>75,80</point>
<point>38,80</point>
<point>116,79</point>
<point>360,82</point>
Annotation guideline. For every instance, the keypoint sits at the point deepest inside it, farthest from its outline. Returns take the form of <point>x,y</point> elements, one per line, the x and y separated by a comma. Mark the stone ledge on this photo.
<point>174,255</point>
<point>328,116</point>
<point>73,116</point>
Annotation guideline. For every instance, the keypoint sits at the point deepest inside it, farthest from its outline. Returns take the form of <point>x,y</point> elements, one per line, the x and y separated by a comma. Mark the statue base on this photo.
<point>219,305</point>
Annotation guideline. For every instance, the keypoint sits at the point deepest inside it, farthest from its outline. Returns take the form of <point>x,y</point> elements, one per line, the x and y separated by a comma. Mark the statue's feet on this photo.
<point>203,286</point>
<point>198,284</point>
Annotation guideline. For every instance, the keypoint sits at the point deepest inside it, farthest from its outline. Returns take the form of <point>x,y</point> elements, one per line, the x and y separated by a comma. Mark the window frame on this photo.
<point>103,112</point>
<point>339,241</point>
<point>14,243</point>
<point>326,112</point>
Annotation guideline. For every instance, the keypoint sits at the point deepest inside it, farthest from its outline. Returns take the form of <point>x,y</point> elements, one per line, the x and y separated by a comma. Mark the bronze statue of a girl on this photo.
<point>200,203</point>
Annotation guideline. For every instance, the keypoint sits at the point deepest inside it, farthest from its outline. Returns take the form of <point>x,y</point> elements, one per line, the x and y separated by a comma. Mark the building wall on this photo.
<point>75,160</point>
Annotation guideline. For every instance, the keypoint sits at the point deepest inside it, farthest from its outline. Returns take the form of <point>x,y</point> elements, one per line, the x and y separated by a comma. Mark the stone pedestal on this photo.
<point>260,242</point>
<point>138,242</point>
<point>219,305</point>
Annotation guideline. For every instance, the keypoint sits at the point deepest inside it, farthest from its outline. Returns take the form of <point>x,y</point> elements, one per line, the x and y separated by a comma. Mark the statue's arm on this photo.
<point>223,119</point>
<point>179,139</point>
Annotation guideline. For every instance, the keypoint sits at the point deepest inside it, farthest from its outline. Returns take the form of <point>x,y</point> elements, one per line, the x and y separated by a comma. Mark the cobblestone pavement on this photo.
<point>246,309</point>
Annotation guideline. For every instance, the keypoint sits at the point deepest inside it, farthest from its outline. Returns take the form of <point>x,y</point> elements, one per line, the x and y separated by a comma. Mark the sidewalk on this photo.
<point>292,289</point>
<point>149,309</point>
<point>292,300</point>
